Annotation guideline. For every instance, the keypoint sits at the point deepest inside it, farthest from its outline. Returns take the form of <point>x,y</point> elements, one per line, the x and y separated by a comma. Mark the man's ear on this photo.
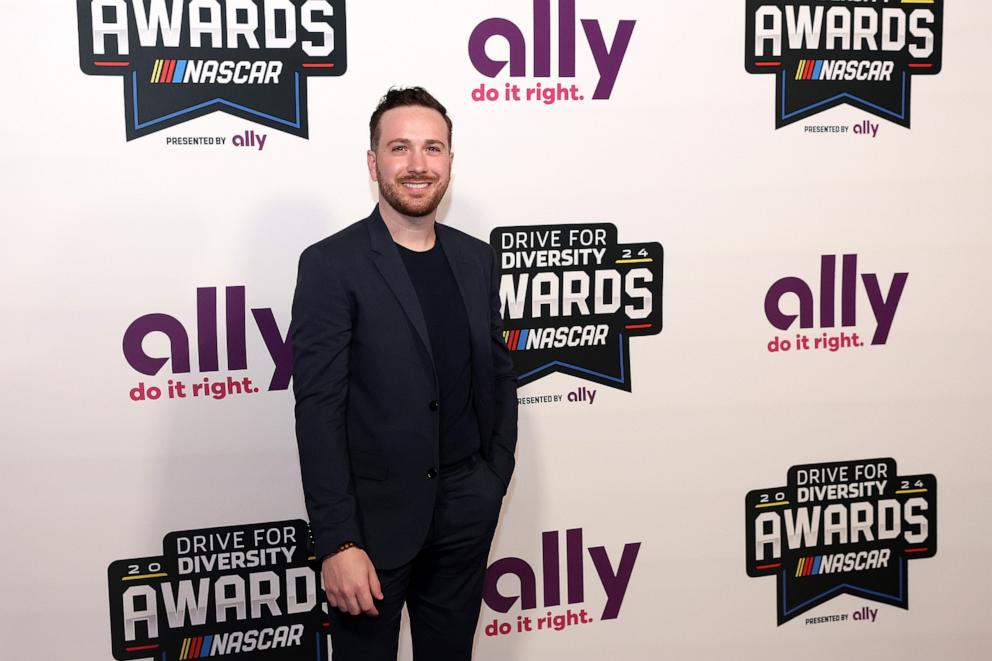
<point>370,157</point>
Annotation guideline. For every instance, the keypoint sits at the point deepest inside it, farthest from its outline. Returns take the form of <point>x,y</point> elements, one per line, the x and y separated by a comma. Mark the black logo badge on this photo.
<point>241,590</point>
<point>572,297</point>
<point>845,527</point>
<point>827,52</point>
<point>181,59</point>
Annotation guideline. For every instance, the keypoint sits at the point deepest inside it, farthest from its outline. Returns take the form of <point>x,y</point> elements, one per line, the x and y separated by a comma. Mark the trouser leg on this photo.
<point>364,638</point>
<point>445,590</point>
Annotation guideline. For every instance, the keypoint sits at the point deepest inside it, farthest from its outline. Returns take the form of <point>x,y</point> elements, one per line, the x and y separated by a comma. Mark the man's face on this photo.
<point>412,162</point>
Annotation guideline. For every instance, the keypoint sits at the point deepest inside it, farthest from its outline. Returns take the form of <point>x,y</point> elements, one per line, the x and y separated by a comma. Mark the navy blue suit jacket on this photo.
<point>366,388</point>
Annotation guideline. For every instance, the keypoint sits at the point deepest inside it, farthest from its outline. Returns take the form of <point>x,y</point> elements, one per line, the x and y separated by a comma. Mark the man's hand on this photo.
<point>350,582</point>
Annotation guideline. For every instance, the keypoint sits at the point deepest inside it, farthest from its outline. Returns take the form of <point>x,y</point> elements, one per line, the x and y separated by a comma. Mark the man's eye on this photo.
<point>399,147</point>
<point>434,148</point>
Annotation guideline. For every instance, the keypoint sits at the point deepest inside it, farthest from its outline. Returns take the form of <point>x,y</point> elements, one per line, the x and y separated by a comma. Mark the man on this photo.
<point>406,413</point>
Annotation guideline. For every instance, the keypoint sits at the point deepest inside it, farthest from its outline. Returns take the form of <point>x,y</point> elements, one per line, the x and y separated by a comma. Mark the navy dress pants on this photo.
<point>441,586</point>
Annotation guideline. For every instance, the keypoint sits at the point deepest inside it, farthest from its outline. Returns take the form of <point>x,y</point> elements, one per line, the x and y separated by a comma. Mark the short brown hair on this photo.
<point>405,96</point>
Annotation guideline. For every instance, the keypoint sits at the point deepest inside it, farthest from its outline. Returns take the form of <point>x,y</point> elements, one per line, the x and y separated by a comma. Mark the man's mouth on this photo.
<point>416,185</point>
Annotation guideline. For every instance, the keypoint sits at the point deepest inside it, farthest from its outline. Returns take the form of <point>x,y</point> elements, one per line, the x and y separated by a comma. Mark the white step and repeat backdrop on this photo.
<point>766,219</point>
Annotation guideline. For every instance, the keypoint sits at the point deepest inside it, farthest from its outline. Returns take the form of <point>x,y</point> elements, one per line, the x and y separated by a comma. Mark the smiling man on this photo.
<point>406,408</point>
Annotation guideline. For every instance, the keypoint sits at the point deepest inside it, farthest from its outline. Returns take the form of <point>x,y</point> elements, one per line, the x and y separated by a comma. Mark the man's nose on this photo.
<point>418,161</point>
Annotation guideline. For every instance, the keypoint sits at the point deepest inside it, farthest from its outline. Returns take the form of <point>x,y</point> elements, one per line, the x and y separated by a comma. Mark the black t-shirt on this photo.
<point>447,326</point>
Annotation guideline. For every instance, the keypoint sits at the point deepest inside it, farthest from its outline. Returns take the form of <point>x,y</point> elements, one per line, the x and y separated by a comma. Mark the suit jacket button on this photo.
<point>431,473</point>
<point>434,405</point>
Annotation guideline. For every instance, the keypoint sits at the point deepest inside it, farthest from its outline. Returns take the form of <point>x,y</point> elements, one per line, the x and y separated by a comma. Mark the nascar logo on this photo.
<point>235,642</point>
<point>215,71</point>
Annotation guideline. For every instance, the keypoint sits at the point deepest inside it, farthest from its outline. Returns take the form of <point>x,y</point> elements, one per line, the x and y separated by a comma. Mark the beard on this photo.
<point>402,201</point>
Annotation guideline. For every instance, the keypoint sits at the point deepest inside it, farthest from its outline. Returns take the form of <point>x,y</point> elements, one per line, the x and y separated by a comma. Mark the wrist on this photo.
<point>343,547</point>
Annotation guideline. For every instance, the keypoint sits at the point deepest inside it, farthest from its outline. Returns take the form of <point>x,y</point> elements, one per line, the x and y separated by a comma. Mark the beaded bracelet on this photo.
<point>345,547</point>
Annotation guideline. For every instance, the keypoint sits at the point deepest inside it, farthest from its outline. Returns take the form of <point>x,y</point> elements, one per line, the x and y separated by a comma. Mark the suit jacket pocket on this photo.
<point>370,465</point>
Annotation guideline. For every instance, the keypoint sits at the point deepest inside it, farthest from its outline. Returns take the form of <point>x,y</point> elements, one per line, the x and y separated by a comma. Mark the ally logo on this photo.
<point>502,33</point>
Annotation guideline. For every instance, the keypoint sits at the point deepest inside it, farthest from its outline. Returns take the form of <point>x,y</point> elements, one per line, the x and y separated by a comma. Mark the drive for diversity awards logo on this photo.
<point>571,298</point>
<point>843,527</point>
<point>249,591</point>
<point>827,52</point>
<point>181,59</point>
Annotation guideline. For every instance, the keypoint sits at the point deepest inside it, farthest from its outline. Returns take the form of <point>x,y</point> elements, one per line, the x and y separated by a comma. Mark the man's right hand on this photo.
<point>350,582</point>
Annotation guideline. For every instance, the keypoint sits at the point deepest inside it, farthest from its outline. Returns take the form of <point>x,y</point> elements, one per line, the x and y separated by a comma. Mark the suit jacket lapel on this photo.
<point>387,259</point>
<point>467,277</point>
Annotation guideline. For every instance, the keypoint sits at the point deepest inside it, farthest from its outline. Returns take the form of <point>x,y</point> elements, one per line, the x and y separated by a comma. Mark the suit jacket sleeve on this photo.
<point>322,326</point>
<point>504,441</point>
